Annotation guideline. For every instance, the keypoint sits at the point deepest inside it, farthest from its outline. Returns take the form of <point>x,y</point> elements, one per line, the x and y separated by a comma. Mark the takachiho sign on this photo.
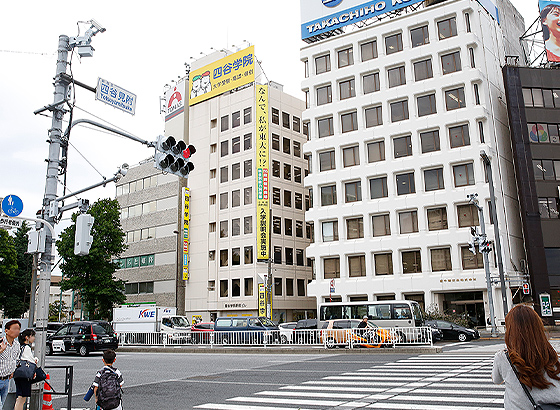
<point>321,16</point>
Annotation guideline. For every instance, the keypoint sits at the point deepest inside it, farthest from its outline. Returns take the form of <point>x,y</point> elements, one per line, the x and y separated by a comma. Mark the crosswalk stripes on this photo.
<point>426,382</point>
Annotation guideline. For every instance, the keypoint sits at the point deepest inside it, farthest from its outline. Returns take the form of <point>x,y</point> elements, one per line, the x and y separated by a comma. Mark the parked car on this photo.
<point>201,332</point>
<point>52,327</point>
<point>336,333</point>
<point>287,331</point>
<point>82,337</point>
<point>306,331</point>
<point>237,330</point>
<point>437,334</point>
<point>452,331</point>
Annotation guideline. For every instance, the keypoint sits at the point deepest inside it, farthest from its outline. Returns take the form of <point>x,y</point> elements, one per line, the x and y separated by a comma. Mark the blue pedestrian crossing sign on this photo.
<point>12,205</point>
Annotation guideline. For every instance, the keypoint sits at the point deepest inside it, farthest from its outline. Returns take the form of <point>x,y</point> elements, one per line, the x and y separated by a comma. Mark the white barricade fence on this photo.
<point>329,338</point>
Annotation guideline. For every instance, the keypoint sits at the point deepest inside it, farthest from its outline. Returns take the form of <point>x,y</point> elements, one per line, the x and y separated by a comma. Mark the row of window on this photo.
<point>288,121</point>
<point>248,289</point>
<point>396,76</point>
<point>235,119</point>
<point>235,198</point>
<point>137,185</point>
<point>436,219</point>
<point>546,169</point>
<point>287,168</point>
<point>287,199</point>
<point>235,145</point>
<point>393,44</point>
<point>544,133</point>
<point>541,98</point>
<point>138,288</point>
<point>235,227</point>
<point>235,171</point>
<point>463,175</point>
<point>411,262</point>
<point>138,210</point>
<point>247,255</point>
<point>549,208</point>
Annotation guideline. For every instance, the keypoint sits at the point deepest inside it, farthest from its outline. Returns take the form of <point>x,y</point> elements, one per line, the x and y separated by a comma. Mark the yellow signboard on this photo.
<point>263,211</point>
<point>262,299</point>
<point>186,220</point>
<point>223,75</point>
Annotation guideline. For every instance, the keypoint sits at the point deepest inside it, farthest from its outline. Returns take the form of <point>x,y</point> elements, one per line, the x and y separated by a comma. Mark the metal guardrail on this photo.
<point>328,338</point>
<point>68,383</point>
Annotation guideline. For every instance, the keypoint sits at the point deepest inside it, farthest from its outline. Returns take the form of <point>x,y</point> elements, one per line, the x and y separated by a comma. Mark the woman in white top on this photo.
<point>23,386</point>
<point>534,358</point>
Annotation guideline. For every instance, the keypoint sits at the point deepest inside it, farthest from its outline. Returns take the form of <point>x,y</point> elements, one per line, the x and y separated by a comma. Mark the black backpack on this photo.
<point>109,390</point>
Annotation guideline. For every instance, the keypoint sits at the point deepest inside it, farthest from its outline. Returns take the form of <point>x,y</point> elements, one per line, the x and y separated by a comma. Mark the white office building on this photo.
<point>399,111</point>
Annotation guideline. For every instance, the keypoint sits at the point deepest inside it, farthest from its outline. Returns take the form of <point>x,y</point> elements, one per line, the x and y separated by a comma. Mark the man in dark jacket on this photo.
<point>363,323</point>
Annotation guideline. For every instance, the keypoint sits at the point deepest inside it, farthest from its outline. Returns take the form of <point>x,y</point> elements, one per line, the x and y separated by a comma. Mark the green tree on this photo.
<point>9,302</point>
<point>54,308</point>
<point>22,287</point>
<point>93,275</point>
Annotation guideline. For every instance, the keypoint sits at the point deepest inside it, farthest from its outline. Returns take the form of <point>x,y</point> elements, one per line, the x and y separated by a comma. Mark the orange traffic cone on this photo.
<point>47,397</point>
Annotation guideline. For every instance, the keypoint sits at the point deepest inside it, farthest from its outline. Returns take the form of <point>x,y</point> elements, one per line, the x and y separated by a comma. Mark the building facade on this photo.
<point>398,113</point>
<point>533,96</point>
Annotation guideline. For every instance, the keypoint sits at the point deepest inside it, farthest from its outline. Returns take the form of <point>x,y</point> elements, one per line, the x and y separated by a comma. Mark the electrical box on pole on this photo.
<point>36,241</point>
<point>174,156</point>
<point>83,238</point>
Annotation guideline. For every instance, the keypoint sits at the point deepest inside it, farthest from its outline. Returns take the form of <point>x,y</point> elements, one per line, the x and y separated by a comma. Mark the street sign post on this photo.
<point>546,307</point>
<point>12,205</point>
<point>115,96</point>
<point>7,222</point>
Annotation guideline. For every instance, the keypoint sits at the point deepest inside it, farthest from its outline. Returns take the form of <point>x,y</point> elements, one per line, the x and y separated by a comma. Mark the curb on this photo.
<point>276,350</point>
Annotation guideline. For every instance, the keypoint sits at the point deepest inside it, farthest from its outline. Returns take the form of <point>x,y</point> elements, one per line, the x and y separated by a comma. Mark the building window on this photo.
<point>287,172</point>
<point>437,219</point>
<point>383,264</point>
<point>235,198</point>
<point>402,146</point>
<point>276,169</point>
<point>423,70</point>
<point>277,225</point>
<point>235,145</point>
<point>289,253</point>
<point>299,257</point>
<point>297,149</point>
<point>347,89</point>
<point>411,262</point>
<point>224,148</point>
<point>224,123</point>
<point>543,169</point>
<point>468,215</point>
<point>447,28</point>
<point>310,231</point>
<point>331,268</point>
<point>351,156</point>
<point>356,266</point>
<point>408,222</point>
<point>223,200</point>
<point>297,175</point>
<point>324,95</point>
<point>247,225</point>
<point>419,36</point>
<point>224,286</point>
<point>275,116</point>
<point>463,175</point>
<point>381,225</point>
<point>548,208</point>
<point>455,99</point>
<point>224,261</point>
<point>247,115</point>
<point>378,188</point>
<point>299,229</point>
<point>322,64</point>
<point>345,57</point>
<point>468,22</point>
<point>212,255</point>
<point>373,117</point>
<point>235,261</point>
<point>276,196</point>
<point>306,126</point>
<point>223,229</point>
<point>235,171</point>
<point>369,50</point>
<point>429,141</point>
<point>277,286</point>
<point>287,198</point>
<point>278,254</point>
<point>471,54</point>
<point>330,231</point>
<point>433,179</point>
<point>441,259</point>
<point>405,184</point>
<point>289,287</point>
<point>287,227</point>
<point>326,161</point>
<point>235,119</point>
<point>276,142</point>
<point>393,44</point>
<point>371,83</point>
<point>325,127</point>
<point>247,168</point>
<point>376,151</point>
<point>249,281</point>
<point>459,136</point>
<point>349,121</point>
<point>426,105</point>
<point>396,76</point>
<point>301,287</point>
<point>476,94</point>
<point>212,199</point>
<point>286,120</point>
<point>399,110</point>
<point>248,196</point>
<point>247,142</point>
<point>470,260</point>
<point>354,228</point>
<point>353,191</point>
<point>451,62</point>
<point>296,124</point>
<point>286,145</point>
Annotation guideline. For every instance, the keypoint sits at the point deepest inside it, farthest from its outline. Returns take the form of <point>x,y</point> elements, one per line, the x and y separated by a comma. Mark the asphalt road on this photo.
<point>182,381</point>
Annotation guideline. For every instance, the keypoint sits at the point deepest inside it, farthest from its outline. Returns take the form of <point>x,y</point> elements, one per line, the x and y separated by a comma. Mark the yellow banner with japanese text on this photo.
<point>262,299</point>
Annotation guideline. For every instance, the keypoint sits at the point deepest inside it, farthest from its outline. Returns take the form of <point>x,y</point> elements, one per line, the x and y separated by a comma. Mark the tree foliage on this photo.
<point>9,301</point>
<point>433,313</point>
<point>93,275</point>
<point>54,309</point>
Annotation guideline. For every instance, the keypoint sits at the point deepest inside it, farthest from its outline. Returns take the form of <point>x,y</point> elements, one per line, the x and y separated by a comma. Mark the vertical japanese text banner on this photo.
<point>262,299</point>
<point>186,220</point>
<point>263,211</point>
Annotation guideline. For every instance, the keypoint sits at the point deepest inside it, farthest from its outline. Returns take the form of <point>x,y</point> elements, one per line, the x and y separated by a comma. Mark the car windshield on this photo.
<point>266,321</point>
<point>180,321</point>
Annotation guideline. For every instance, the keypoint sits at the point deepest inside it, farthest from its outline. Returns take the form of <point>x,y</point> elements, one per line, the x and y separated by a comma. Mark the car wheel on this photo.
<point>330,343</point>
<point>49,350</point>
<point>462,337</point>
<point>83,351</point>
<point>283,339</point>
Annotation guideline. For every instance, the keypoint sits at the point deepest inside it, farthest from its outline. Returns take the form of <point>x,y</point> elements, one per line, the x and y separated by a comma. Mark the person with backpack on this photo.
<point>107,385</point>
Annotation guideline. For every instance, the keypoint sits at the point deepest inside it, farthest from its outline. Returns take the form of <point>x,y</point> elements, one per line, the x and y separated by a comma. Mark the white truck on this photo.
<point>143,323</point>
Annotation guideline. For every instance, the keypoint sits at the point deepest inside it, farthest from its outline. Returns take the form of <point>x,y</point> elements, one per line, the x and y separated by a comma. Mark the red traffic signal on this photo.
<point>189,151</point>
<point>526,289</point>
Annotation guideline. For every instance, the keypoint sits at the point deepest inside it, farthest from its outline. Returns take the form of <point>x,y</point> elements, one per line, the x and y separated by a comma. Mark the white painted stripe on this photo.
<point>287,401</point>
<point>352,383</point>
<point>412,406</point>
<point>446,383</point>
<point>228,406</point>
<point>347,378</point>
<point>483,400</point>
<point>312,394</point>
<point>346,388</point>
<point>455,392</point>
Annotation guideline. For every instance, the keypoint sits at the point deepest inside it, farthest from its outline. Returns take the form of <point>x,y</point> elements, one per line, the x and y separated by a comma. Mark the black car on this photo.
<point>305,333</point>
<point>82,337</point>
<point>452,331</point>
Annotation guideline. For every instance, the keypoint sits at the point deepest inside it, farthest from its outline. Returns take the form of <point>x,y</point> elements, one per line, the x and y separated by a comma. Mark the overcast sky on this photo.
<point>144,48</point>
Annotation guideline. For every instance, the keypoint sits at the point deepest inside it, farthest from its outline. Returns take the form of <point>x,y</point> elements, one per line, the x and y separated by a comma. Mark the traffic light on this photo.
<point>173,156</point>
<point>83,238</point>
<point>526,290</point>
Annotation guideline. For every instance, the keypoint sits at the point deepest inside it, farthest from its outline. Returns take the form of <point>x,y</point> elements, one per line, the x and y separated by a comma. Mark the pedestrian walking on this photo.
<point>9,354</point>
<point>529,366</point>
<point>107,386</point>
<point>23,386</point>
<point>363,323</point>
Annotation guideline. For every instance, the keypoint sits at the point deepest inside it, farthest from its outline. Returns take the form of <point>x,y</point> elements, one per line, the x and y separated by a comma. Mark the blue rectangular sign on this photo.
<point>115,96</point>
<point>353,15</point>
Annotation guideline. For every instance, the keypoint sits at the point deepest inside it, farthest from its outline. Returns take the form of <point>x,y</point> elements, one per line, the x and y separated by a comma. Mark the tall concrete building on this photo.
<point>399,109</point>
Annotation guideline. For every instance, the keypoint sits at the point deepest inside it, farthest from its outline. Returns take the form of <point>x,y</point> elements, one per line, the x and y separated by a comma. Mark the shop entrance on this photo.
<point>471,303</point>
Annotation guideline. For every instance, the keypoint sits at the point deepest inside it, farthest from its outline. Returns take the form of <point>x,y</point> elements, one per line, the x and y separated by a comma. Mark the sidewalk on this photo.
<point>487,335</point>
